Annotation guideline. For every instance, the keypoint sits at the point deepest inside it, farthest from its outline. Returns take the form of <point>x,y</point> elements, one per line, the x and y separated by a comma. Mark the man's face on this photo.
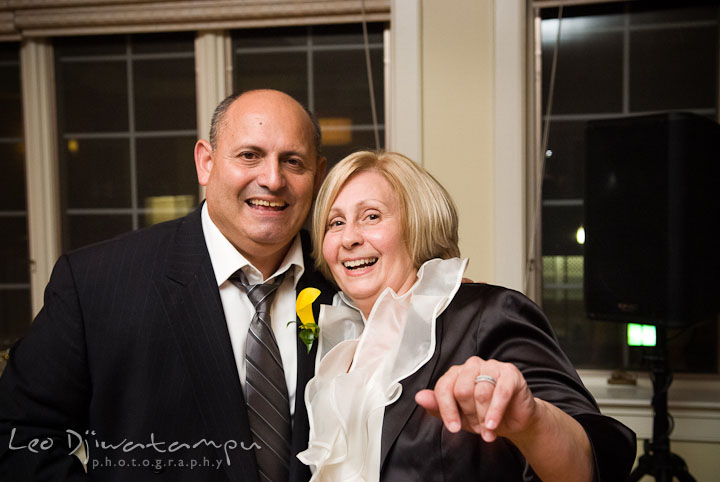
<point>263,175</point>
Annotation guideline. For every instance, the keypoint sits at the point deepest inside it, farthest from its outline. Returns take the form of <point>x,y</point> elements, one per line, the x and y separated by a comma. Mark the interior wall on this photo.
<point>458,118</point>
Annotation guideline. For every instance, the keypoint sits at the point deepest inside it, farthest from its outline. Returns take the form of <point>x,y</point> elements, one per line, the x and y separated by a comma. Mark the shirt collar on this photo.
<point>226,259</point>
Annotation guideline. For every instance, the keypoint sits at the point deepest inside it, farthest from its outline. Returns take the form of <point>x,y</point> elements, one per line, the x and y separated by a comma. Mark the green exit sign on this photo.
<point>641,335</point>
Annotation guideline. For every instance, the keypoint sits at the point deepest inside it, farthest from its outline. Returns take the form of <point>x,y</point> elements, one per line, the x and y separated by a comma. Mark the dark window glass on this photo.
<point>324,68</point>
<point>269,70</point>
<point>166,167</point>
<point>342,79</point>
<point>15,315</point>
<point>93,96</point>
<point>88,229</point>
<point>564,161</point>
<point>589,70</point>
<point>165,94</point>
<point>127,126</point>
<point>12,181</point>
<point>10,99</point>
<point>673,68</point>
<point>97,173</point>
<point>15,308</point>
<point>14,250</point>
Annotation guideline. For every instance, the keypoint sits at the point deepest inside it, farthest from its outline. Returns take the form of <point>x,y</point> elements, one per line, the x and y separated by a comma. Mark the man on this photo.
<point>138,355</point>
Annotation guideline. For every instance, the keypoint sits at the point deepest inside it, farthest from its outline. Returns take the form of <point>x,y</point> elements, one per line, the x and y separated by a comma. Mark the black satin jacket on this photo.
<point>494,323</point>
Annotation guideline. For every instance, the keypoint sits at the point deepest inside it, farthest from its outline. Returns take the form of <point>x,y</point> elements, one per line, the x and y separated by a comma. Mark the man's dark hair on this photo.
<point>218,120</point>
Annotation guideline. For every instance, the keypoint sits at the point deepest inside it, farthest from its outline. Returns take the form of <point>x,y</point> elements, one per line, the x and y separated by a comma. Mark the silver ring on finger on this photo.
<point>485,378</point>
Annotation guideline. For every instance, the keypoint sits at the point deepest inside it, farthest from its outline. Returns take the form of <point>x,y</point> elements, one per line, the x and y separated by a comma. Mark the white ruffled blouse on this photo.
<point>360,366</point>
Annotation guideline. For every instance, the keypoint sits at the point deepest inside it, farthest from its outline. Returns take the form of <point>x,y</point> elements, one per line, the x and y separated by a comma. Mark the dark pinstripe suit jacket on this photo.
<point>131,356</point>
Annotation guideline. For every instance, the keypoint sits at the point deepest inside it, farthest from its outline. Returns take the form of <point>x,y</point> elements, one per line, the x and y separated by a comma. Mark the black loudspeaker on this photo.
<point>652,208</point>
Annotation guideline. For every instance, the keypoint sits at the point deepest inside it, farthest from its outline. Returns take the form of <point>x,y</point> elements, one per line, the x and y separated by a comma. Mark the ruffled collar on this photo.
<point>360,365</point>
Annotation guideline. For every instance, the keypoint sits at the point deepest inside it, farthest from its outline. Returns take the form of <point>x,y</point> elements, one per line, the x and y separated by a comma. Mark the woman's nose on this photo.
<point>352,236</point>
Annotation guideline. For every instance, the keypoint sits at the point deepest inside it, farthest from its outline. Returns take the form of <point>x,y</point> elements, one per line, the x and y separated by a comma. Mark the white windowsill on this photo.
<point>693,402</point>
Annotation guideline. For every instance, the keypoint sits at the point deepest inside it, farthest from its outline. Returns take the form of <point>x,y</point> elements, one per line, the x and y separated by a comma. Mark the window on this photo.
<point>126,128</point>
<point>616,60</point>
<point>14,259</point>
<point>126,120</point>
<point>324,68</point>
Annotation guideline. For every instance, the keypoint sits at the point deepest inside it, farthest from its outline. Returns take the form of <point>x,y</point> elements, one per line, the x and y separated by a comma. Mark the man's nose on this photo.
<point>271,175</point>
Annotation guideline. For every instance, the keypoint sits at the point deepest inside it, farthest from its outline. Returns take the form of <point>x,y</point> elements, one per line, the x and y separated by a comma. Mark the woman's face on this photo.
<point>364,244</point>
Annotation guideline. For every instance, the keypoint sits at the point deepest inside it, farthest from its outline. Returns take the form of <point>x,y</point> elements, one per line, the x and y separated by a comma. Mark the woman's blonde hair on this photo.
<point>429,216</point>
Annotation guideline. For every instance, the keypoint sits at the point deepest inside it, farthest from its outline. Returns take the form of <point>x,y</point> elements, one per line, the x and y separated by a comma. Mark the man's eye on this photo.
<point>248,155</point>
<point>292,161</point>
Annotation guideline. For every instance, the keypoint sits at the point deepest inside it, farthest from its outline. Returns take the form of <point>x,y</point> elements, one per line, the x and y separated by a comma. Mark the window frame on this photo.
<point>693,399</point>
<point>213,62</point>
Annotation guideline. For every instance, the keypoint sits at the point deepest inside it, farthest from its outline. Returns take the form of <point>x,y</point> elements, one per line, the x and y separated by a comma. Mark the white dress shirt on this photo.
<point>238,308</point>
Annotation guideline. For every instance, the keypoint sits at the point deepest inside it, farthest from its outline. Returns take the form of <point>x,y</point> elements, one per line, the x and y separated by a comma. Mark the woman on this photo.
<point>421,377</point>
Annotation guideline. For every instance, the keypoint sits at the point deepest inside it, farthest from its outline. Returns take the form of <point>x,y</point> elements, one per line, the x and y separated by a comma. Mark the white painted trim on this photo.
<point>41,164</point>
<point>213,78</point>
<point>510,142</point>
<point>405,94</point>
<point>693,402</point>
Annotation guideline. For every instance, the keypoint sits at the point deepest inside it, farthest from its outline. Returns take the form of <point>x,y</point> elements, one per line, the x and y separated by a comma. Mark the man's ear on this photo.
<point>320,174</point>
<point>203,161</point>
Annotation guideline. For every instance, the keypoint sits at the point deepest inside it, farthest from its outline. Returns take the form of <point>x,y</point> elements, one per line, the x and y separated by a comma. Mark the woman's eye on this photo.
<point>335,223</point>
<point>373,216</point>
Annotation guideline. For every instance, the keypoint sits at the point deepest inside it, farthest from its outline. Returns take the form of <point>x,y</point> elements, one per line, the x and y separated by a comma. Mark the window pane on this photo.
<point>10,99</point>
<point>341,77</point>
<point>14,257</point>
<point>87,229</point>
<point>12,181</point>
<point>564,176</point>
<point>284,71</point>
<point>165,94</point>
<point>347,34</point>
<point>15,267</point>
<point>673,68</point>
<point>335,87</point>
<point>589,69</point>
<point>560,227</point>
<point>97,173</point>
<point>15,315</point>
<point>162,183</point>
<point>93,96</point>
<point>127,124</point>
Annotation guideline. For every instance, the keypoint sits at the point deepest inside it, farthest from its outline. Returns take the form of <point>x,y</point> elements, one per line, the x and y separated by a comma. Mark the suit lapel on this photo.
<point>398,414</point>
<point>306,361</point>
<point>191,301</point>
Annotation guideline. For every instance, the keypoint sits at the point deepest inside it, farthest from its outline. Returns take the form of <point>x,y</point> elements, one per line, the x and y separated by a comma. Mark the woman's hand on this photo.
<point>506,408</point>
<point>465,397</point>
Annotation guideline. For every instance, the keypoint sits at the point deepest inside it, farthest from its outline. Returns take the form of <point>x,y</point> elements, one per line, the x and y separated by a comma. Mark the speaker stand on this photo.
<point>657,461</point>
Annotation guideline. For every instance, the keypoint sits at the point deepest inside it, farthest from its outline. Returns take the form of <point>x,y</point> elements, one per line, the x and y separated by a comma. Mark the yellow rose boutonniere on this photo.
<point>303,305</point>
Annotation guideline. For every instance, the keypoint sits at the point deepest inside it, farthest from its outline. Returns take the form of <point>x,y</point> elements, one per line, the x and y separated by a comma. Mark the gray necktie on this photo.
<point>267,397</point>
